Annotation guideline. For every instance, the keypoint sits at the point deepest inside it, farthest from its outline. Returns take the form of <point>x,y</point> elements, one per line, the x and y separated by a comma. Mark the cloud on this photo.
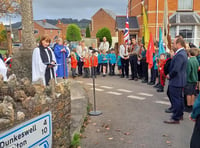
<point>75,8</point>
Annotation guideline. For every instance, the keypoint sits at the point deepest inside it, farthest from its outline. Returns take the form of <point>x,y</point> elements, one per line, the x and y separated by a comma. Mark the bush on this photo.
<point>104,32</point>
<point>88,35</point>
<point>73,33</point>
<point>75,141</point>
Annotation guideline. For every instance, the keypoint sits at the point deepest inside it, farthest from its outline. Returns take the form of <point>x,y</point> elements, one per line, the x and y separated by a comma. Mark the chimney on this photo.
<point>59,22</point>
<point>44,21</point>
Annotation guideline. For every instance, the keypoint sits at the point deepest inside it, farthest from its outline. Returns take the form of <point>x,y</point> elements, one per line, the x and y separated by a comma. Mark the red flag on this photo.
<point>150,51</point>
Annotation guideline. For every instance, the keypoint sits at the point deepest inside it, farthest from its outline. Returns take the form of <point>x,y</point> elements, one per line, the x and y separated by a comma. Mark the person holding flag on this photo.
<point>123,50</point>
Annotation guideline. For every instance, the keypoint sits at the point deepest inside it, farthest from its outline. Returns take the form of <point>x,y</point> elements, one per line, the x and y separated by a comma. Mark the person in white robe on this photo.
<point>3,70</point>
<point>43,62</point>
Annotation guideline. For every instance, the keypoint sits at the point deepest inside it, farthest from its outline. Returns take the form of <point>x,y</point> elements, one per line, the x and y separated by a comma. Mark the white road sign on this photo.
<point>35,133</point>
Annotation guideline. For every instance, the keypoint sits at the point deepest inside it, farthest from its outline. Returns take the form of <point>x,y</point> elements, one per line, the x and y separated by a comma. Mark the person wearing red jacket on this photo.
<point>94,64</point>
<point>161,64</point>
<point>73,64</point>
<point>86,66</point>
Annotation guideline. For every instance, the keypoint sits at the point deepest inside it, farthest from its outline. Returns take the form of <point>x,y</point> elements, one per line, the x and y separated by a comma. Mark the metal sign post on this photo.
<point>94,112</point>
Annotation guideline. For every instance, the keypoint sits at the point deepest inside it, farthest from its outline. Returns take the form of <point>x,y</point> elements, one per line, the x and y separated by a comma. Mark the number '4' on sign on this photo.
<point>45,122</point>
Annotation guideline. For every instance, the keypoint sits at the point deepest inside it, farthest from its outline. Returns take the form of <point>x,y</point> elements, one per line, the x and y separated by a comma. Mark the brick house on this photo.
<point>183,16</point>
<point>103,18</point>
<point>133,27</point>
<point>43,27</point>
<point>63,28</point>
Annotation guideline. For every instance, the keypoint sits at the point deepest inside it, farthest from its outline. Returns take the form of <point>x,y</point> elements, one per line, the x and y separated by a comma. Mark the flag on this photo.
<point>166,36</point>
<point>146,29</point>
<point>150,51</point>
<point>161,47</point>
<point>126,31</point>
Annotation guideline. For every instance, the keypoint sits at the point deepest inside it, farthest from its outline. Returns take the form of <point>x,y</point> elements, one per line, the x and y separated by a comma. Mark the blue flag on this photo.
<point>161,47</point>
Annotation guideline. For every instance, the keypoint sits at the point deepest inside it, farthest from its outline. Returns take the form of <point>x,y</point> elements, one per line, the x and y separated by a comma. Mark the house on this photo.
<point>184,17</point>
<point>103,18</point>
<point>133,27</point>
<point>42,27</point>
<point>63,28</point>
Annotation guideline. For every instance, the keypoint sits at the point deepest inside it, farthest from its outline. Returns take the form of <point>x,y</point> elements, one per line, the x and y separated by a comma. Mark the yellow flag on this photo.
<point>146,29</point>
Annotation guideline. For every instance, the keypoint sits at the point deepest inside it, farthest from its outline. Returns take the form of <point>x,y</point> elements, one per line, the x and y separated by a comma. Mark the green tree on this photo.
<point>104,32</point>
<point>3,35</point>
<point>88,35</point>
<point>73,33</point>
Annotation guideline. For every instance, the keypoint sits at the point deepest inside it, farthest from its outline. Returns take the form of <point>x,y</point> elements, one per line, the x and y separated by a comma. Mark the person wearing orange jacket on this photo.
<point>86,64</point>
<point>73,64</point>
<point>94,64</point>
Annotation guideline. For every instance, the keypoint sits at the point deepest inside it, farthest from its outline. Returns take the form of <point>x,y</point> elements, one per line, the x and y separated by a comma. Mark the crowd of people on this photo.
<point>180,67</point>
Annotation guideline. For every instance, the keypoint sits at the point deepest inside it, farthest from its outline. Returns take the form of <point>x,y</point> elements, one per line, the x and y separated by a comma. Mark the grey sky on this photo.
<point>76,9</point>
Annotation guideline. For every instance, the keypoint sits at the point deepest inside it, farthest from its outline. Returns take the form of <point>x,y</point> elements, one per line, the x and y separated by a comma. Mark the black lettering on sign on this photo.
<point>44,130</point>
<point>45,122</point>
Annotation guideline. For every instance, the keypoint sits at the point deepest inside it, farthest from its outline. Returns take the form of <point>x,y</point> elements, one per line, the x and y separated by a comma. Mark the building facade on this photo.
<point>63,28</point>
<point>103,18</point>
<point>43,27</point>
<point>184,17</point>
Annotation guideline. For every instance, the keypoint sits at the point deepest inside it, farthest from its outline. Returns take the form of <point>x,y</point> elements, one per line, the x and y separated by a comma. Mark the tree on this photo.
<point>73,33</point>
<point>88,32</point>
<point>9,7</point>
<point>104,32</point>
<point>3,33</point>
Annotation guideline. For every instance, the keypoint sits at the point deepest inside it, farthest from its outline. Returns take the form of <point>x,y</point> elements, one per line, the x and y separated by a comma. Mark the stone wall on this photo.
<point>21,101</point>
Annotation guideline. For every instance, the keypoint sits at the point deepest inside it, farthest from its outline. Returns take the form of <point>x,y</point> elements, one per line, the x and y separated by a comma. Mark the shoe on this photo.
<point>172,121</point>
<point>156,86</point>
<point>131,79</point>
<point>160,90</point>
<point>181,118</point>
<point>136,79</point>
<point>168,110</point>
<point>104,75</point>
<point>150,83</point>
<point>188,109</point>
<point>122,76</point>
<point>144,81</point>
<point>127,77</point>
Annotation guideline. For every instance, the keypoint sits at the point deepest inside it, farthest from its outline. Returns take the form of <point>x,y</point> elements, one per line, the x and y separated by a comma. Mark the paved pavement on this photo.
<point>133,115</point>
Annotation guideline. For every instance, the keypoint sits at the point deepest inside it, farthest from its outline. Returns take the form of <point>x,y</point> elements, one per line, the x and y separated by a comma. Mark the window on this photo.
<point>185,4</point>
<point>35,31</point>
<point>173,32</point>
<point>58,31</point>
<point>187,32</point>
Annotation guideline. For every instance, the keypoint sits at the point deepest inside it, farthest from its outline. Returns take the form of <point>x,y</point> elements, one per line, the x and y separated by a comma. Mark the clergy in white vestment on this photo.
<point>43,62</point>
<point>3,69</point>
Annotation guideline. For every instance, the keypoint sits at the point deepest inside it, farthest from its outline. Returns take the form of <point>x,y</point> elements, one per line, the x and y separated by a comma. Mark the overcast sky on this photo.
<point>76,9</point>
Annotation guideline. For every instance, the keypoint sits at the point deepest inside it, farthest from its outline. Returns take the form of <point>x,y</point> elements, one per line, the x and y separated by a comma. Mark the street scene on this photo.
<point>99,74</point>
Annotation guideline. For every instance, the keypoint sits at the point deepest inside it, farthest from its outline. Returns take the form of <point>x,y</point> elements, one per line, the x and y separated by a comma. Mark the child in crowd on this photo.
<point>192,78</point>
<point>112,62</point>
<point>99,67</point>
<point>161,64</point>
<point>86,64</point>
<point>119,64</point>
<point>73,64</point>
<point>94,63</point>
<point>105,59</point>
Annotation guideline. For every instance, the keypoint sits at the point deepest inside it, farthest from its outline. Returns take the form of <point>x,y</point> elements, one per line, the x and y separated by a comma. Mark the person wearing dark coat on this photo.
<point>177,80</point>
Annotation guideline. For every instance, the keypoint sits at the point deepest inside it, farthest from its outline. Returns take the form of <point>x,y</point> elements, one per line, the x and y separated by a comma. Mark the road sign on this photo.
<point>35,133</point>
